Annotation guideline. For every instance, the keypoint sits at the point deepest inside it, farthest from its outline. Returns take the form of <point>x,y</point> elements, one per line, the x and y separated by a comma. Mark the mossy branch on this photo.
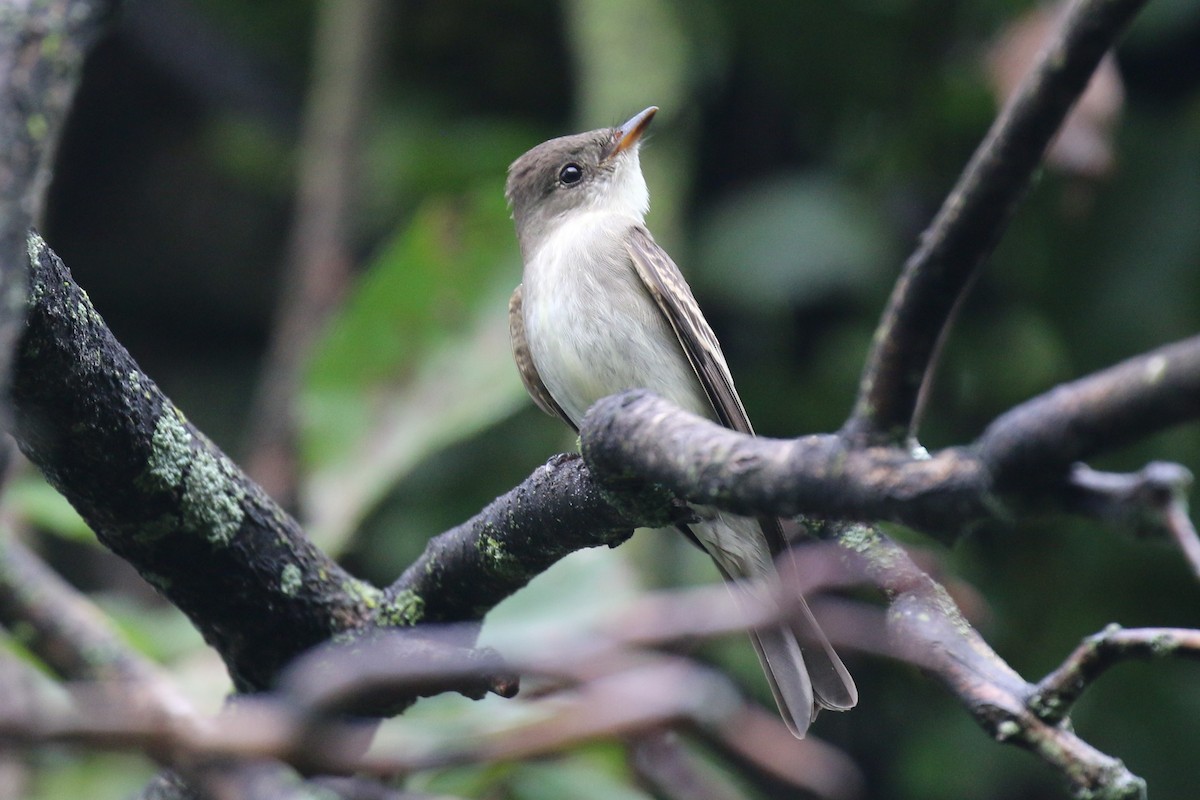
<point>162,496</point>
<point>170,502</point>
<point>42,46</point>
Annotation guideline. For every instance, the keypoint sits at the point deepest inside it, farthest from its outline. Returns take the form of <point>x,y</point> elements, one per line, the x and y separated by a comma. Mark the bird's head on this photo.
<point>593,171</point>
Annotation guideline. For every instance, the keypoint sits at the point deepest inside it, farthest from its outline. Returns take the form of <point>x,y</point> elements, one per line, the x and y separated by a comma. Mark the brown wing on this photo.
<point>529,374</point>
<point>674,297</point>
<point>830,681</point>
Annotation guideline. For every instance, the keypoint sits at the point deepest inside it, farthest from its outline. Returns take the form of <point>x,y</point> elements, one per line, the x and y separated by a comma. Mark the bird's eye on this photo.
<point>570,174</point>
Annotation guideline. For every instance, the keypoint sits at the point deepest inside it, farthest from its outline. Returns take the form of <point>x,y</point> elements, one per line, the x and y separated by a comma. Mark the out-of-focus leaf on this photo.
<point>790,241</point>
<point>418,358</point>
<point>1084,144</point>
<point>476,780</point>
<point>576,777</point>
<point>615,79</point>
<point>610,41</point>
<point>40,504</point>
<point>65,775</point>
<point>577,591</point>
<point>161,632</point>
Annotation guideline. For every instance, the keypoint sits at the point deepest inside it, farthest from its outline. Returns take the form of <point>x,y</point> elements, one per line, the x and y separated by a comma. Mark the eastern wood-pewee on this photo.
<point>601,309</point>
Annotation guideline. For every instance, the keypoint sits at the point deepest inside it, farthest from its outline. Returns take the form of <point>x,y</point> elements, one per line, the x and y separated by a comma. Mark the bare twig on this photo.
<point>660,761</point>
<point>1152,501</point>
<point>928,629</point>
<point>972,219</point>
<point>395,666</point>
<point>1110,408</point>
<point>1056,693</point>
<point>611,691</point>
<point>1180,526</point>
<point>754,742</point>
<point>556,511</point>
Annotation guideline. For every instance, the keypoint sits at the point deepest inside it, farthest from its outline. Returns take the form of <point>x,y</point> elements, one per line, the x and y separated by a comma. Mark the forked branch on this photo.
<point>972,219</point>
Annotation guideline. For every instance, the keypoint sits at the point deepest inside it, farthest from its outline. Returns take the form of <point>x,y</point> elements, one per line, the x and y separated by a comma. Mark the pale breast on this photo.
<point>593,329</point>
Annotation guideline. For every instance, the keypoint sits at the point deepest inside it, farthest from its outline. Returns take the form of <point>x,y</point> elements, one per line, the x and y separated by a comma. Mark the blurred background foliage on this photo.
<point>801,148</point>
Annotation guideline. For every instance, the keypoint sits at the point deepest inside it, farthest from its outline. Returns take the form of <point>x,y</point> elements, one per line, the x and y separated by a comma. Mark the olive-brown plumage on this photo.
<point>601,309</point>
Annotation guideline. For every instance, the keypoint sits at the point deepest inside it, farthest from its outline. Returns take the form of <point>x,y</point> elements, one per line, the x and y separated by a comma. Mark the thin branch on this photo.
<point>554,512</point>
<point>1180,526</point>
<point>1150,502</point>
<point>1113,407</point>
<point>165,498</point>
<point>776,765</point>
<point>927,629</point>
<point>386,670</point>
<point>1058,691</point>
<point>660,761</point>
<point>972,219</point>
<point>612,690</point>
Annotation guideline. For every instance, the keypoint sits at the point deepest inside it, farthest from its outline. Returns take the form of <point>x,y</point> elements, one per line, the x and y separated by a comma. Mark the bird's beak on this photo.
<point>628,134</point>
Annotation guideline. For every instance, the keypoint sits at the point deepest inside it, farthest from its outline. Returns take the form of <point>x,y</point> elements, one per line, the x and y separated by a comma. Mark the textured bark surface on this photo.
<point>158,493</point>
<point>506,545</point>
<point>42,46</point>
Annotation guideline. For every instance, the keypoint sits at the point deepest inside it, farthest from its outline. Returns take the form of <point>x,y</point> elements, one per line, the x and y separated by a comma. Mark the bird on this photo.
<point>602,308</point>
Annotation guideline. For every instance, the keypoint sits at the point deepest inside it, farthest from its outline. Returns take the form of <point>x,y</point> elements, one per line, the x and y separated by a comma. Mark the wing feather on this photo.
<point>670,291</point>
<point>831,683</point>
<point>529,375</point>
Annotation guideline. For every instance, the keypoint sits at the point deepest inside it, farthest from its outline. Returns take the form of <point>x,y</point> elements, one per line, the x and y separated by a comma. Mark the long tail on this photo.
<point>804,672</point>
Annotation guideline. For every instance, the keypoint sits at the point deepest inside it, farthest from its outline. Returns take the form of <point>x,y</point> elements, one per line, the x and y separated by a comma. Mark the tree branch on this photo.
<point>162,496</point>
<point>42,46</point>
<point>605,686</point>
<point>1057,692</point>
<point>1022,461</point>
<point>554,512</point>
<point>972,219</point>
<point>927,629</point>
<point>1142,395</point>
